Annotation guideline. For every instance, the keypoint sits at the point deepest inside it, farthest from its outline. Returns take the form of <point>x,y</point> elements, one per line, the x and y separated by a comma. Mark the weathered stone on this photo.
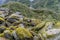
<point>15,35</point>
<point>1,38</point>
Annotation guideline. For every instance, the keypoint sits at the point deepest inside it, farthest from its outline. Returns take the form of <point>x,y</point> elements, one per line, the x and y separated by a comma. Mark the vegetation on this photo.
<point>32,13</point>
<point>20,22</point>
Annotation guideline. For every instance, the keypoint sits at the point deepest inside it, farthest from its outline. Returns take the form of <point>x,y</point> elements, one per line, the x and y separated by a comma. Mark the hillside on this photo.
<point>18,21</point>
<point>31,13</point>
<point>16,6</point>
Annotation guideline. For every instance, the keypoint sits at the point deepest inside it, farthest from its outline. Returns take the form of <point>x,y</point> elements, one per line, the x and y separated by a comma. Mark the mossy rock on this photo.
<point>57,24</point>
<point>2,35</point>
<point>22,33</point>
<point>39,27</point>
<point>2,19</point>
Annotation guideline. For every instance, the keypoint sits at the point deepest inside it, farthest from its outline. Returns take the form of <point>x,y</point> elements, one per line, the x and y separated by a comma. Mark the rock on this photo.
<point>35,38</point>
<point>1,38</point>
<point>5,11</point>
<point>21,25</point>
<point>53,31</point>
<point>22,33</point>
<point>55,35</point>
<point>2,30</point>
<point>7,34</point>
<point>18,13</point>
<point>2,14</point>
<point>15,35</point>
<point>49,25</point>
<point>11,20</point>
<point>2,21</point>
<point>7,24</point>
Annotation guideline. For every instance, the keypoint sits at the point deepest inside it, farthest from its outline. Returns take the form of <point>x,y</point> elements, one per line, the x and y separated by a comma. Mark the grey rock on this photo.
<point>15,35</point>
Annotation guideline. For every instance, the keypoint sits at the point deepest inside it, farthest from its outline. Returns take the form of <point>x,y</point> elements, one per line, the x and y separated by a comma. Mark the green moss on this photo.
<point>32,13</point>
<point>16,6</point>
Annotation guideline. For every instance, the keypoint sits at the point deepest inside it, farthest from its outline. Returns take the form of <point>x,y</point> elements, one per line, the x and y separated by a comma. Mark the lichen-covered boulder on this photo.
<point>57,24</point>
<point>22,33</point>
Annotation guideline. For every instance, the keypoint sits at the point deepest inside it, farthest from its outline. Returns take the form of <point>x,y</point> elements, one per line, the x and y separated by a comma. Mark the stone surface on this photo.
<point>1,38</point>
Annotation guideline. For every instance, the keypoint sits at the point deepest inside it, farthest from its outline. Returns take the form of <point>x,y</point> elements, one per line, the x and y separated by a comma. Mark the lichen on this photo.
<point>22,33</point>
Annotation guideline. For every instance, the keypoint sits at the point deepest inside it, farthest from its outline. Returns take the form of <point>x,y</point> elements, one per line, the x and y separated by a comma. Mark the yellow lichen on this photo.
<point>2,35</point>
<point>57,24</point>
<point>2,19</point>
<point>22,32</point>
